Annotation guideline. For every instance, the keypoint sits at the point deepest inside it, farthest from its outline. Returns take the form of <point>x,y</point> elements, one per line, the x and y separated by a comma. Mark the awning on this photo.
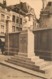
<point>2,39</point>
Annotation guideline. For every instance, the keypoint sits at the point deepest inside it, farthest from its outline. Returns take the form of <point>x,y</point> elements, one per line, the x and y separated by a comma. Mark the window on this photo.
<point>16,28</point>
<point>20,20</point>
<point>17,19</point>
<point>49,3</point>
<point>2,17</point>
<point>13,18</point>
<point>29,18</point>
<point>2,28</point>
<point>13,28</point>
<point>8,17</point>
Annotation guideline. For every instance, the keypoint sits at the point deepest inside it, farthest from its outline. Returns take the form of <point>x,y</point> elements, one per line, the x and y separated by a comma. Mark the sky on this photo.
<point>36,4</point>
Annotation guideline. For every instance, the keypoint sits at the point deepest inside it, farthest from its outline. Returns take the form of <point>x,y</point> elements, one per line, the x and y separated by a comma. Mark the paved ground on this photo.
<point>9,73</point>
<point>3,57</point>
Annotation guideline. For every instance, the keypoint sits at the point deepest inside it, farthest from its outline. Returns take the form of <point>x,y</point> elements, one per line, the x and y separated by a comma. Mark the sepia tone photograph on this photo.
<point>25,39</point>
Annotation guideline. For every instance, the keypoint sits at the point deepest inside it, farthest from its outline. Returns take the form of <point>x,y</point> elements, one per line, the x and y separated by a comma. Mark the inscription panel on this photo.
<point>23,43</point>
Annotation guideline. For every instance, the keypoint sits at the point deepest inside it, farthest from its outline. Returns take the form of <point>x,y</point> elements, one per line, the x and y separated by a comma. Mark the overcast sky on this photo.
<point>36,4</point>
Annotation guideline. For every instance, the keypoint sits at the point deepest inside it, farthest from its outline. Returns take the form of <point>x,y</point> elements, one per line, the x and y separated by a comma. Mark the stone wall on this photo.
<point>43,43</point>
<point>12,43</point>
<point>39,43</point>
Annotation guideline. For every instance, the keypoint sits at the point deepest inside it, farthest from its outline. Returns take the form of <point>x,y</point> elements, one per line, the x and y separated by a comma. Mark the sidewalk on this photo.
<point>9,73</point>
<point>4,57</point>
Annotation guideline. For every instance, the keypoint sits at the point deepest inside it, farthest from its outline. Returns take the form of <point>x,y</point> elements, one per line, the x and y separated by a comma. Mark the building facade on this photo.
<point>14,23</point>
<point>46,16</point>
<point>28,13</point>
<point>16,18</point>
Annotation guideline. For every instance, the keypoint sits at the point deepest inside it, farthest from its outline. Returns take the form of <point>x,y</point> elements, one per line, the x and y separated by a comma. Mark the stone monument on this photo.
<point>28,44</point>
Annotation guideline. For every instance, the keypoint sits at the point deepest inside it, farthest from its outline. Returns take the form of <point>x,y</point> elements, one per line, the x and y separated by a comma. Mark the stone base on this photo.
<point>34,64</point>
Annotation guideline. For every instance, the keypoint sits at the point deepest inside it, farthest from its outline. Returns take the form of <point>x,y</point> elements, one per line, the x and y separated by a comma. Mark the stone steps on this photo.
<point>43,64</point>
<point>30,66</point>
<point>48,71</point>
<point>34,63</point>
<point>38,62</point>
<point>24,64</point>
<point>25,59</point>
<point>27,65</point>
<point>35,73</point>
<point>22,60</point>
<point>21,57</point>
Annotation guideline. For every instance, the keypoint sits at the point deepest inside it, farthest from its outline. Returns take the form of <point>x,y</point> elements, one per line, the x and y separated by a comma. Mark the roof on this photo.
<point>22,8</point>
<point>16,8</point>
<point>3,6</point>
<point>48,8</point>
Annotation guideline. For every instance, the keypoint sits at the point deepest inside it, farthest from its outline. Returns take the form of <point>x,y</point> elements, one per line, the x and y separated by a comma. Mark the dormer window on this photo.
<point>13,18</point>
<point>49,3</point>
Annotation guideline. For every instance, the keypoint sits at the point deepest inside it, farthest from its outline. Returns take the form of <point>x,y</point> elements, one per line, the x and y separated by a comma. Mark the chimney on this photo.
<point>4,2</point>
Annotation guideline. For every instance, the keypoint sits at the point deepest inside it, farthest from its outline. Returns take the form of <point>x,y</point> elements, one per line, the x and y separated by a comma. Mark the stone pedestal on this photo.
<point>26,57</point>
<point>26,43</point>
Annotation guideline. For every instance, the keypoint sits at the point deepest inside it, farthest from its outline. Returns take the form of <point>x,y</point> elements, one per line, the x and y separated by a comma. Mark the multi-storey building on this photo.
<point>4,15</point>
<point>29,20</point>
<point>16,18</point>
<point>12,18</point>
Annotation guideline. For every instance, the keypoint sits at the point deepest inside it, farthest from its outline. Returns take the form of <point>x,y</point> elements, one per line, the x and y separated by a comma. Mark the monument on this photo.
<point>26,43</point>
<point>25,47</point>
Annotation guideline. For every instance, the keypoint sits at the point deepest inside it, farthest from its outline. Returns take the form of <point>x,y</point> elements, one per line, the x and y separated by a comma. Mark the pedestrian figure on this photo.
<point>2,47</point>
